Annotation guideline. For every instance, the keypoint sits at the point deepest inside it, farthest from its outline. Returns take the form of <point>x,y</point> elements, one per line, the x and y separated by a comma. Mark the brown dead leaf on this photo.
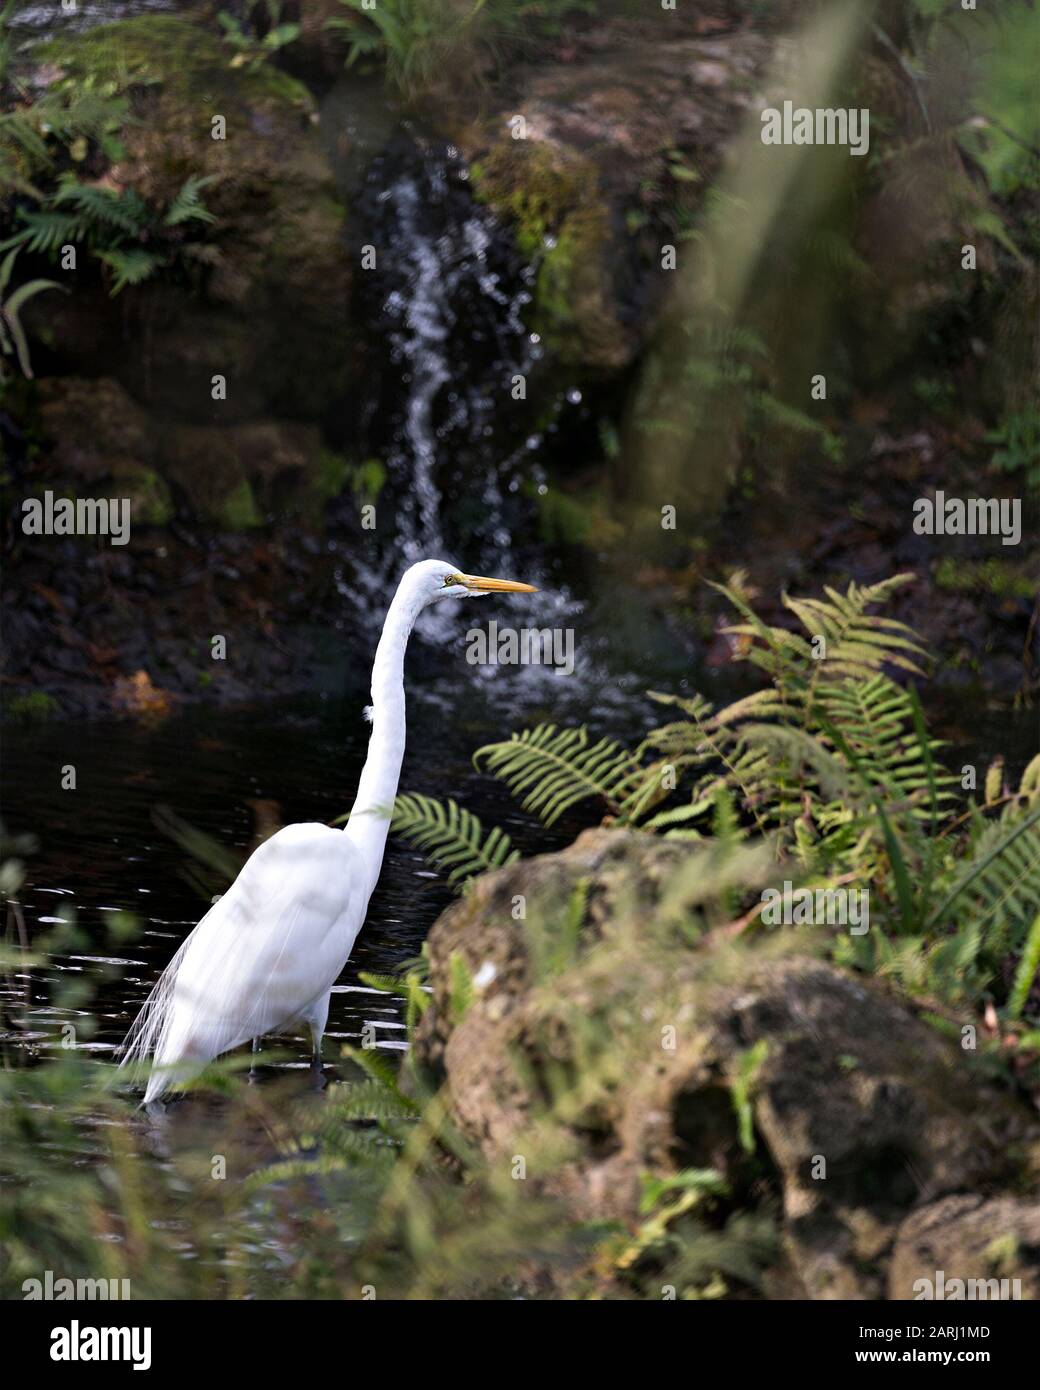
<point>137,695</point>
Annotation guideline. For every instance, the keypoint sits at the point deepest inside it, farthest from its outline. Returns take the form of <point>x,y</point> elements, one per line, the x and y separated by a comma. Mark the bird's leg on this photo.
<point>317,1070</point>
<point>252,1060</point>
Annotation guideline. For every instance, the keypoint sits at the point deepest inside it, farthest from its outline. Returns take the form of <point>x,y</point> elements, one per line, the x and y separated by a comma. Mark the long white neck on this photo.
<point>369,821</point>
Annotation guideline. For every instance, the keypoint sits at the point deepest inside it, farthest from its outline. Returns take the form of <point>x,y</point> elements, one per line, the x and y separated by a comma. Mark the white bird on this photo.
<point>268,952</point>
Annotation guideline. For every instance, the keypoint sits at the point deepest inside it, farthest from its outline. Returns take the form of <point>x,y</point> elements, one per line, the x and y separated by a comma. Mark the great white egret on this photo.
<point>268,952</point>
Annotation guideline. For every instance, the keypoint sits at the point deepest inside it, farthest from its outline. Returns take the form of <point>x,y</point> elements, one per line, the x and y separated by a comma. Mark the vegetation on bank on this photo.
<point>424,43</point>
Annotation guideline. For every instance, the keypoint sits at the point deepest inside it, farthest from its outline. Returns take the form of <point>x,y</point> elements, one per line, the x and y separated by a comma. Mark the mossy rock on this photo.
<point>602,140</point>
<point>176,54</point>
<point>547,1032</point>
<point>36,707</point>
<point>560,219</point>
<point>234,477</point>
<point>273,268</point>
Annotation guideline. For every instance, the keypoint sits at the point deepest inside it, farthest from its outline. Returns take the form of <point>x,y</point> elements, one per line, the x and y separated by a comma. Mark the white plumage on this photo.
<point>269,951</point>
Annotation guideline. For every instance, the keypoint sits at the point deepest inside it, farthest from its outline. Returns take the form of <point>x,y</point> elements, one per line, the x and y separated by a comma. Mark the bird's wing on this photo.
<point>270,946</point>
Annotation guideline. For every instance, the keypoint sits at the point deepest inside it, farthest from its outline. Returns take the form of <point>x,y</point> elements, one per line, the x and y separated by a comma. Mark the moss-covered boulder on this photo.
<point>238,476</point>
<point>608,1044</point>
<point>230,477</point>
<point>271,275</point>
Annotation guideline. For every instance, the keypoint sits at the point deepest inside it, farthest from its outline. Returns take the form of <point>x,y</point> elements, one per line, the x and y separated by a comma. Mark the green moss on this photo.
<point>150,501</point>
<point>36,707</point>
<point>537,190</point>
<point>368,479</point>
<point>560,219</point>
<point>152,50</point>
<point>239,510</point>
<point>1000,578</point>
<point>331,476</point>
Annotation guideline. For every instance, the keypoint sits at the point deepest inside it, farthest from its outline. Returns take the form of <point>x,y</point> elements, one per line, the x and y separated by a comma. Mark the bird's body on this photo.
<point>270,949</point>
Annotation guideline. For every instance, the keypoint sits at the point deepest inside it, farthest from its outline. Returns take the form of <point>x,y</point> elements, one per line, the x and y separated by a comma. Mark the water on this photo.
<point>101,850</point>
<point>447,293</point>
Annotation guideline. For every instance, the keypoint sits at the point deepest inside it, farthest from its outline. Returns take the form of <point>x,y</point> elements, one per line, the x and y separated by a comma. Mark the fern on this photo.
<point>409,985</point>
<point>45,231</point>
<point>555,769</point>
<point>999,886</point>
<point>187,206</point>
<point>1027,970</point>
<point>125,211</point>
<point>452,838</point>
<point>131,266</point>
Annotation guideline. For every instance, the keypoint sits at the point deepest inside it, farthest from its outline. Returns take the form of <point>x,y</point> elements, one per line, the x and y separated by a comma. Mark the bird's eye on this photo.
<point>450,579</point>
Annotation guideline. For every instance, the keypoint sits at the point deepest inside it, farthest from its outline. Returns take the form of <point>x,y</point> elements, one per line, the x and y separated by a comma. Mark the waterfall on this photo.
<point>448,290</point>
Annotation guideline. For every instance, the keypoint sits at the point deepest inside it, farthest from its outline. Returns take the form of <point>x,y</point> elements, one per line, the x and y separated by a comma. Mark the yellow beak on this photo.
<point>497,586</point>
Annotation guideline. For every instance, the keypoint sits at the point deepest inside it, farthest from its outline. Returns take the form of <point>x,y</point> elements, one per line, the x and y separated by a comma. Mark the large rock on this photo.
<point>603,1046</point>
<point>274,270</point>
<point>970,1238</point>
<point>610,144</point>
<point>115,456</point>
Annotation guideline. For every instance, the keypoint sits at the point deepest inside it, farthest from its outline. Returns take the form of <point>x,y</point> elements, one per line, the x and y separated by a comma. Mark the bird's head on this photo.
<point>437,579</point>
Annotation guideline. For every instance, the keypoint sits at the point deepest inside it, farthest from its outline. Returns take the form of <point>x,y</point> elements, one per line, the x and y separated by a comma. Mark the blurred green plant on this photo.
<point>130,238</point>
<point>13,342</point>
<point>422,42</point>
<point>259,35</point>
<point>1018,451</point>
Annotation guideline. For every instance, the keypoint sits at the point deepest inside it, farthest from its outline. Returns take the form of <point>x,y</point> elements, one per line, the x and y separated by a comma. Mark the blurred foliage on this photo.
<point>13,342</point>
<point>259,35</point>
<point>1018,446</point>
<point>367,1190</point>
<point>424,42</point>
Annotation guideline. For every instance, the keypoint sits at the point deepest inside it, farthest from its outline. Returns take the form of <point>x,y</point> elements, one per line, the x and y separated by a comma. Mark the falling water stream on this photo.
<point>448,291</point>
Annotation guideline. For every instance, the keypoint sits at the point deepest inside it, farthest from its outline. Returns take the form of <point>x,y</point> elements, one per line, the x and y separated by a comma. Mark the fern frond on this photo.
<point>45,232</point>
<point>554,769</point>
<point>855,642</point>
<point>1001,881</point>
<point>187,206</point>
<point>126,211</point>
<point>1027,970</point>
<point>877,719</point>
<point>131,266</point>
<point>451,837</point>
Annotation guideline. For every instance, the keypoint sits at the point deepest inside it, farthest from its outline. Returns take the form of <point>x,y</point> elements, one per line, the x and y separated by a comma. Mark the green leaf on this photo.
<point>452,839</point>
<point>554,769</point>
